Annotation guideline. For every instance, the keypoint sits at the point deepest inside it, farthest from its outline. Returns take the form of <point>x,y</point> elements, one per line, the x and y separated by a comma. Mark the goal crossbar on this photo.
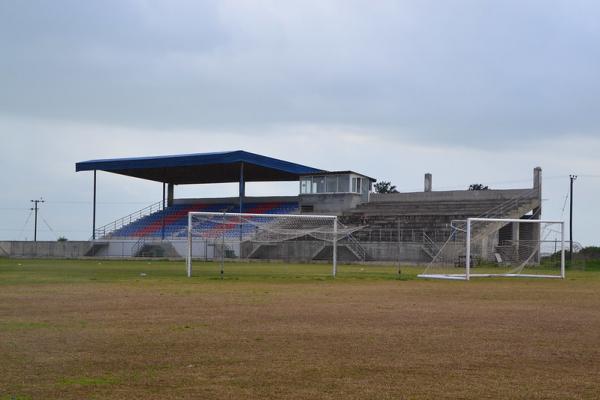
<point>232,214</point>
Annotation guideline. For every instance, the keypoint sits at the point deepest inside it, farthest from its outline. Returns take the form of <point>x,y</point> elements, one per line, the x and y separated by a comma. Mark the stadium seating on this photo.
<point>405,220</point>
<point>175,219</point>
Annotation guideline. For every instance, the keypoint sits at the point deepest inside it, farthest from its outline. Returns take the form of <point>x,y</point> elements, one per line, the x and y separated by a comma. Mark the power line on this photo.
<point>564,204</point>
<point>25,224</point>
<point>90,202</point>
<point>48,225</point>
<point>589,176</point>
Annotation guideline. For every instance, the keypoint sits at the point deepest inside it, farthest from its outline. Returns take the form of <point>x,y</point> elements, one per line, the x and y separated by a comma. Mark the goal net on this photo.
<point>494,247</point>
<point>286,238</point>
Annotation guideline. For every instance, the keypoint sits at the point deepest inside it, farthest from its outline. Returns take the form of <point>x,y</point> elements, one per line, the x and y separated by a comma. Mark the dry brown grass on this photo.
<point>159,339</point>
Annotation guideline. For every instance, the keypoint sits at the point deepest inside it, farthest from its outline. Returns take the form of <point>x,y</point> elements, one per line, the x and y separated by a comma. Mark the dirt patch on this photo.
<point>301,340</point>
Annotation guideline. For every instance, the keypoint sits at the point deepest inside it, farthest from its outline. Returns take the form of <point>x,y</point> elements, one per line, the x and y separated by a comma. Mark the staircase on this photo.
<point>158,249</point>
<point>430,247</point>
<point>344,253</point>
<point>95,248</point>
<point>3,252</point>
<point>355,247</point>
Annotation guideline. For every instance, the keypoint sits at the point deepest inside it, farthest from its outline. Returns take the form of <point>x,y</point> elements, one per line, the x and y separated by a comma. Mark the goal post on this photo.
<point>500,247</point>
<point>218,236</point>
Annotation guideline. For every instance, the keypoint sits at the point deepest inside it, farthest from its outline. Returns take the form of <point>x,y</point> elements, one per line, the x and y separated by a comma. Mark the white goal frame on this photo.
<point>332,218</point>
<point>468,275</point>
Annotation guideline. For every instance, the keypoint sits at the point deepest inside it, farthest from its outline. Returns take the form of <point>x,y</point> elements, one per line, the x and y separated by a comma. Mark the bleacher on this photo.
<point>394,220</point>
<point>175,218</point>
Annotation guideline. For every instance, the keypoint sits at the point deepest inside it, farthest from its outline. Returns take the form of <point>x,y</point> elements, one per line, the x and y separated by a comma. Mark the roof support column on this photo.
<point>242,193</point>
<point>170,194</point>
<point>162,235</point>
<point>94,210</point>
<point>242,190</point>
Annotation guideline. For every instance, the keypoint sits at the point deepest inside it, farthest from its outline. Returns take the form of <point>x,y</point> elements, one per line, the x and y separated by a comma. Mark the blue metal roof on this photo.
<point>201,168</point>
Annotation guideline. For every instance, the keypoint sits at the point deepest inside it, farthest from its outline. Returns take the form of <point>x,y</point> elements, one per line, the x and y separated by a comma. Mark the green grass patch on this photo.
<point>26,272</point>
<point>591,265</point>
<point>52,271</point>
<point>22,326</point>
<point>89,381</point>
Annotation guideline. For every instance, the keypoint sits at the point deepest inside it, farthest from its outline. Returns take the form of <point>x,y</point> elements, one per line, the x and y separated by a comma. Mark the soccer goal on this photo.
<point>496,247</point>
<point>285,238</point>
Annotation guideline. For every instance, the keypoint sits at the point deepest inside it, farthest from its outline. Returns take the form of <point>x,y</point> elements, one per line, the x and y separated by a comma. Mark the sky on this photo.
<point>472,91</point>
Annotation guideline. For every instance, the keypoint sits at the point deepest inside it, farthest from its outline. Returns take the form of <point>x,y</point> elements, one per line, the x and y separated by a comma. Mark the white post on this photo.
<point>468,255</point>
<point>223,246</point>
<point>334,247</point>
<point>189,253</point>
<point>562,250</point>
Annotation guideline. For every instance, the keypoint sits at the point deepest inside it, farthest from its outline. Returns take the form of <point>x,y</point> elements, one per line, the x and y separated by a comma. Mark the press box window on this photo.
<point>332,183</point>
<point>356,185</point>
<point>318,184</point>
<point>305,186</point>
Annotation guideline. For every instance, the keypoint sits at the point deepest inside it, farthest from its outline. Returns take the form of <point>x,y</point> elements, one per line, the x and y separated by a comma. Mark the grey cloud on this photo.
<point>451,71</point>
<point>470,90</point>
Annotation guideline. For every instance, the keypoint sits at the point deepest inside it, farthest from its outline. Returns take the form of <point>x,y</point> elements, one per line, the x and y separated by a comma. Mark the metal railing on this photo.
<point>104,232</point>
<point>137,247</point>
<point>430,246</point>
<point>356,247</point>
<point>512,208</point>
<point>503,209</point>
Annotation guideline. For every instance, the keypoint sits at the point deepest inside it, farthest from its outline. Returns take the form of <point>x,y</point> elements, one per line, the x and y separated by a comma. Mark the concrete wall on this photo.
<point>327,203</point>
<point>305,250</point>
<point>451,195</point>
<point>291,251</point>
<point>117,248</point>
<point>70,249</point>
<point>128,248</point>
<point>4,249</point>
<point>330,203</point>
<point>392,251</point>
<point>200,249</point>
<point>77,249</point>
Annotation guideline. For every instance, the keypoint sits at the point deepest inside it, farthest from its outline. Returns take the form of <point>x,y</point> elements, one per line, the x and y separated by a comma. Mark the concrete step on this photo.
<point>95,248</point>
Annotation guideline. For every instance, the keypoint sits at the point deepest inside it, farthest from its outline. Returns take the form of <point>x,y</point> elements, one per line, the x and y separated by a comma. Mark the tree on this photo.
<point>385,187</point>
<point>62,239</point>
<point>478,186</point>
<point>591,252</point>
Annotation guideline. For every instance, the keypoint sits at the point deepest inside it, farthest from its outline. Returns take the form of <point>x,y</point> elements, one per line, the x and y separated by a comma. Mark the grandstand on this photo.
<point>171,222</point>
<point>407,227</point>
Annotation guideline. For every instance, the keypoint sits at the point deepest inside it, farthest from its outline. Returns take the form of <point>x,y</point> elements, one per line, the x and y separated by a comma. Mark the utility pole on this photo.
<point>36,208</point>
<point>572,178</point>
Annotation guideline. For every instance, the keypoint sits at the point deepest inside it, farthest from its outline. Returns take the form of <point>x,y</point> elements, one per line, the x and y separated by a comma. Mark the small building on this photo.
<point>333,192</point>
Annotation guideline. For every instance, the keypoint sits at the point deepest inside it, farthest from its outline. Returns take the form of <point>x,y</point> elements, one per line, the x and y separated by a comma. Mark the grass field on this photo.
<point>101,329</point>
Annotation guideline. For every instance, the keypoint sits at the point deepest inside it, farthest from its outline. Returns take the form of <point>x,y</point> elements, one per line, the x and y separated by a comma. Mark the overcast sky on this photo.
<point>471,91</point>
